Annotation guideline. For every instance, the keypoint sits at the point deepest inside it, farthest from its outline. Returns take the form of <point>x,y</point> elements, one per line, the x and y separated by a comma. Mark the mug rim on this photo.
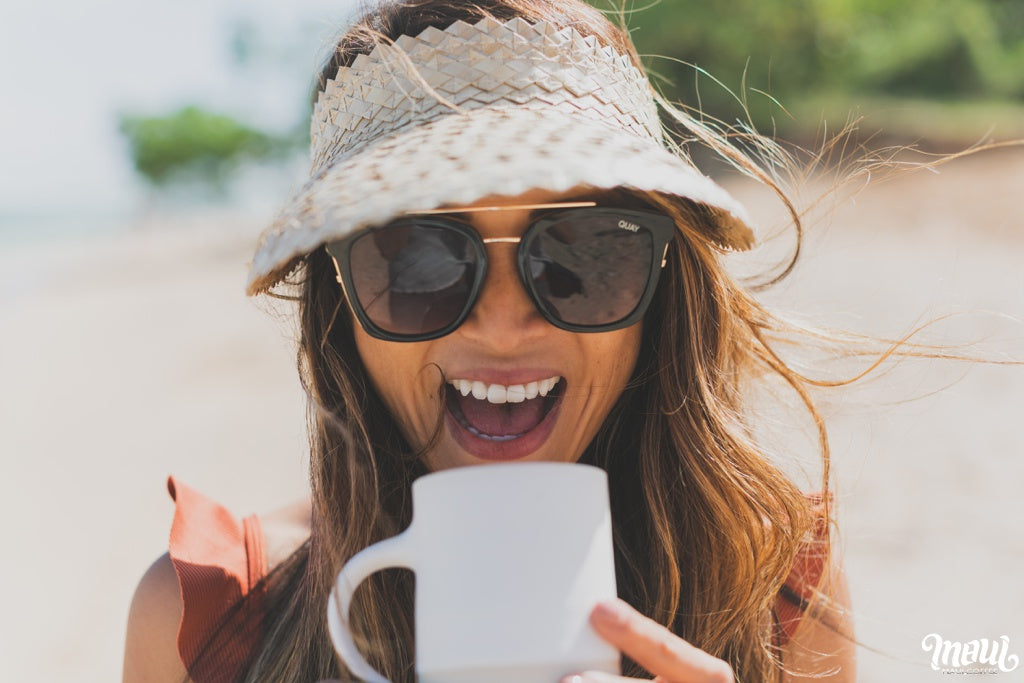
<point>470,471</point>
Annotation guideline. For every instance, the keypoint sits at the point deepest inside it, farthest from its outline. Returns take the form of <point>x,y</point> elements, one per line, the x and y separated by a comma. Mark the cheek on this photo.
<point>619,354</point>
<point>405,382</point>
<point>610,359</point>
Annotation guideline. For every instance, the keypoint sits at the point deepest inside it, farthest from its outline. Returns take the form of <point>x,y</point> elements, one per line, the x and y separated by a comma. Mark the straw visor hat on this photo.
<point>491,108</point>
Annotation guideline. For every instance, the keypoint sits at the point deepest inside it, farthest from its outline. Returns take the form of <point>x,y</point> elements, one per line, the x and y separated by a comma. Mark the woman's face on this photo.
<point>504,348</point>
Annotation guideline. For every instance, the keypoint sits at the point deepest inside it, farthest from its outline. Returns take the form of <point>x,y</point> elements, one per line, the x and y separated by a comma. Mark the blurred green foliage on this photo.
<point>801,50</point>
<point>192,144</point>
<point>818,58</point>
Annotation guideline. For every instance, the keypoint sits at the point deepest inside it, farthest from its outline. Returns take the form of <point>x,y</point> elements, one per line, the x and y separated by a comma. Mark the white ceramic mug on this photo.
<point>510,559</point>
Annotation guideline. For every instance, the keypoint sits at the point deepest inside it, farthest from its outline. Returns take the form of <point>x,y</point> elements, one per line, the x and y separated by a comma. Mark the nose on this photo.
<point>504,317</point>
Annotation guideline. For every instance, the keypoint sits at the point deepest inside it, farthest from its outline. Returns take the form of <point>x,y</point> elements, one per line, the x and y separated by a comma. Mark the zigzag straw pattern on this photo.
<point>449,117</point>
<point>469,66</point>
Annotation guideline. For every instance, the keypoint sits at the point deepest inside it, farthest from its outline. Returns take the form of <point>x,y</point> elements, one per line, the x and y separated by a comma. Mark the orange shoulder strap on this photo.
<point>219,560</point>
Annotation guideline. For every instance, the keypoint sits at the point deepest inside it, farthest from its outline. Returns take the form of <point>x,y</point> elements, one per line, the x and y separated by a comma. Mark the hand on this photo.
<point>670,658</point>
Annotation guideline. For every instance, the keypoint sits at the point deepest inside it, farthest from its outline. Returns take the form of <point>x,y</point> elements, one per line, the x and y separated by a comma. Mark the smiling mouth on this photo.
<point>499,414</point>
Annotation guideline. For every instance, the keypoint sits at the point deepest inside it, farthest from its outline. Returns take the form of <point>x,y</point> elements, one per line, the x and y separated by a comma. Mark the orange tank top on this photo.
<point>219,560</point>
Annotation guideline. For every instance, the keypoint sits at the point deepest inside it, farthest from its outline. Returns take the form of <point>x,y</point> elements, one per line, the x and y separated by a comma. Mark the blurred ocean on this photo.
<point>68,71</point>
<point>18,229</point>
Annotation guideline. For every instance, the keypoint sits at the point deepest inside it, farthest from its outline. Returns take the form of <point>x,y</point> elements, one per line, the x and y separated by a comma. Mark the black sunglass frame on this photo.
<point>661,228</point>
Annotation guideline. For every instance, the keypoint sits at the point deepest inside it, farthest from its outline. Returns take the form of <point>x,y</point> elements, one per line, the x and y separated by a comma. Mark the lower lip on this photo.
<point>513,449</point>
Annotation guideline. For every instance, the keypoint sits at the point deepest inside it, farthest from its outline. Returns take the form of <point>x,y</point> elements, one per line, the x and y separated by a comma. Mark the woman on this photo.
<point>497,258</point>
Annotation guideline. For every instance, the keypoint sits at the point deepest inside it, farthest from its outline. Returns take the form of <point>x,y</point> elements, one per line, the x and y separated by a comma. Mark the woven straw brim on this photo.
<point>462,157</point>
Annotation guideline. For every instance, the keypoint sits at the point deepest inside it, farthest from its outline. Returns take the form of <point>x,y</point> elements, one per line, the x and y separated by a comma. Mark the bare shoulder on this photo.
<point>151,647</point>
<point>284,530</point>
<point>823,647</point>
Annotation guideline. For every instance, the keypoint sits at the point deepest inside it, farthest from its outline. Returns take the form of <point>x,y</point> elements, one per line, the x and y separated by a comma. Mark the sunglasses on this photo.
<point>590,269</point>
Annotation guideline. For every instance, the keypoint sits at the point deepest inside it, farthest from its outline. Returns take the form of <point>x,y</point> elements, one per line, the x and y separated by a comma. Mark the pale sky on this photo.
<point>68,67</point>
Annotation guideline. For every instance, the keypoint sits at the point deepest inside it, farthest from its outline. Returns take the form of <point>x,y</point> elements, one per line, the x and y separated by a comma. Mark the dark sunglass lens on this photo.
<point>591,270</point>
<point>412,279</point>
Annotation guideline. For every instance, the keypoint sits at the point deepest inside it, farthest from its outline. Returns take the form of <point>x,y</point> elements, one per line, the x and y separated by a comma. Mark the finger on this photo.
<point>656,648</point>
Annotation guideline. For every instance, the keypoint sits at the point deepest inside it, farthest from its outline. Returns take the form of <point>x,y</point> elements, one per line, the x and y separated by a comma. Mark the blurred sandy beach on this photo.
<point>136,355</point>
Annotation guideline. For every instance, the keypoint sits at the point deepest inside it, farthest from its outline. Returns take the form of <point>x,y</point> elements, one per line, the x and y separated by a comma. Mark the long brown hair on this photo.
<point>706,527</point>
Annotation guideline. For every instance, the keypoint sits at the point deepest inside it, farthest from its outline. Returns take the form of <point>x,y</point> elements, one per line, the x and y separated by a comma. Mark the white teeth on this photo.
<point>496,394</point>
<point>499,393</point>
<point>547,385</point>
<point>532,390</point>
<point>479,390</point>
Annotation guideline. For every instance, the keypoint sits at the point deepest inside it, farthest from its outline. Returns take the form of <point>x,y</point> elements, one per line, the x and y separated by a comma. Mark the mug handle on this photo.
<point>391,552</point>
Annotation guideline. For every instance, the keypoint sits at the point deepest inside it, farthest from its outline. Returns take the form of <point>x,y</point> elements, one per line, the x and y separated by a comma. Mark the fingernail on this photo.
<point>610,613</point>
<point>575,678</point>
